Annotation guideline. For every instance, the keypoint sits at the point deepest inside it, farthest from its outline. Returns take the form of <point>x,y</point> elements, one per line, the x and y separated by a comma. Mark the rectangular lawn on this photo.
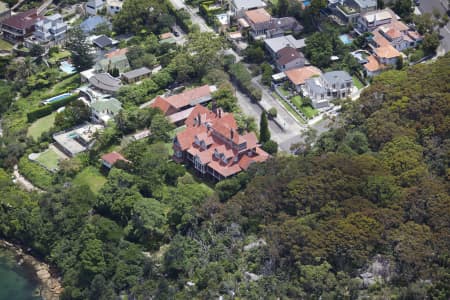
<point>357,83</point>
<point>308,111</point>
<point>49,159</point>
<point>41,125</point>
<point>289,108</point>
<point>91,177</point>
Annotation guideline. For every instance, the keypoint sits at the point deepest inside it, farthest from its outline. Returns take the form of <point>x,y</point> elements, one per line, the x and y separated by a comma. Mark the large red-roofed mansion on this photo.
<point>213,146</point>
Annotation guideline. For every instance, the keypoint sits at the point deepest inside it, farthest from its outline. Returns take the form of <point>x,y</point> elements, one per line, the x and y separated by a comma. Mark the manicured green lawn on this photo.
<point>308,111</point>
<point>49,159</point>
<point>91,177</point>
<point>41,125</point>
<point>289,108</point>
<point>357,83</point>
<point>56,57</point>
<point>4,45</point>
<point>283,91</point>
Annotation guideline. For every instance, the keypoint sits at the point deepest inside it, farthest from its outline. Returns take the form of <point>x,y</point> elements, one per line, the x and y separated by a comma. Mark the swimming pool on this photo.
<point>346,39</point>
<point>306,3</point>
<point>56,98</point>
<point>67,67</point>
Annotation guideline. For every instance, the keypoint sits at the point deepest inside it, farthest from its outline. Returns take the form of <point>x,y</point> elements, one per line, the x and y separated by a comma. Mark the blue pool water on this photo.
<point>56,98</point>
<point>67,67</point>
<point>346,39</point>
<point>16,282</point>
<point>306,3</point>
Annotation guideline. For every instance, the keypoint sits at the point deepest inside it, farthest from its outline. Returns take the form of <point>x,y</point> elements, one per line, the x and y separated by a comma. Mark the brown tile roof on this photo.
<point>189,97</point>
<point>259,15</point>
<point>380,39</point>
<point>113,157</point>
<point>373,65</point>
<point>166,36</point>
<point>288,54</point>
<point>298,75</point>
<point>387,52</point>
<point>23,20</point>
<point>393,33</point>
<point>117,52</point>
<point>415,35</point>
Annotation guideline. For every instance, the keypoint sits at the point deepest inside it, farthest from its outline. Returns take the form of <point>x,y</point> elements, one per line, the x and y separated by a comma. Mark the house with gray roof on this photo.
<point>328,86</point>
<point>105,109</point>
<point>103,42</point>
<point>136,75</point>
<point>91,23</point>
<point>289,58</point>
<point>274,45</point>
<point>239,7</point>
<point>105,83</point>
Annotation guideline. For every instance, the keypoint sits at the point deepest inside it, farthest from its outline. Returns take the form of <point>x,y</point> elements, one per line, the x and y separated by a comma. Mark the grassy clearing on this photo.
<point>5,46</point>
<point>49,159</point>
<point>91,177</point>
<point>357,83</point>
<point>35,173</point>
<point>41,125</point>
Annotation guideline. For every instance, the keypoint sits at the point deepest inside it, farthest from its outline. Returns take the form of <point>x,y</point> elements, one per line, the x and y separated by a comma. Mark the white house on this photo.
<point>94,6</point>
<point>113,6</point>
<point>49,31</point>
<point>328,86</point>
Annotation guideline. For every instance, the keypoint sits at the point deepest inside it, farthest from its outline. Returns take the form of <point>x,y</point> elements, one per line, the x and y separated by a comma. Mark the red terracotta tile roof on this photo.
<point>162,104</point>
<point>186,137</point>
<point>225,170</point>
<point>216,131</point>
<point>387,52</point>
<point>23,20</point>
<point>298,75</point>
<point>113,157</point>
<point>259,15</point>
<point>189,97</point>
<point>373,65</point>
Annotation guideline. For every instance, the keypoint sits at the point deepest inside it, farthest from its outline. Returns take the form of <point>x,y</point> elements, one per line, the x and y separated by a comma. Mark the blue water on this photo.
<point>306,3</point>
<point>56,98</point>
<point>346,39</point>
<point>16,282</point>
<point>67,67</point>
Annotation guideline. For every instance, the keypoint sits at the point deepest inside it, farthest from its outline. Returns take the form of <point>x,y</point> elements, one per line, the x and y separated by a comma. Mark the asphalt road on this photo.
<point>427,6</point>
<point>196,19</point>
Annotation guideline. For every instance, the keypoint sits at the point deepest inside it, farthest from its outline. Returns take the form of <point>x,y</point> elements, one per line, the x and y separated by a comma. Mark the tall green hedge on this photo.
<point>49,108</point>
<point>183,23</point>
<point>242,76</point>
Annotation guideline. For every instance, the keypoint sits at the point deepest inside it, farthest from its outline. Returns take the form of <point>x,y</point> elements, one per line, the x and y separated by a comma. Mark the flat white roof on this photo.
<point>248,4</point>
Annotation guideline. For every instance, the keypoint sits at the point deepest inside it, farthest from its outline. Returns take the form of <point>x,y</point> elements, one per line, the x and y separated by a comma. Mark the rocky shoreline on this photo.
<point>50,286</point>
